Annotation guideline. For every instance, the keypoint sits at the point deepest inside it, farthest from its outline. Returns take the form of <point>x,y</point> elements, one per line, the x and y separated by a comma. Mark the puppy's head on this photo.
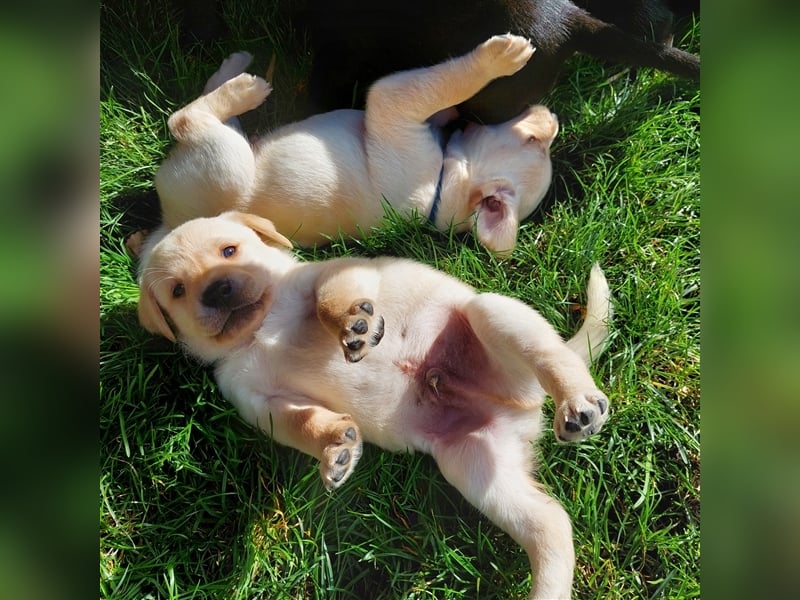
<point>509,171</point>
<point>208,283</point>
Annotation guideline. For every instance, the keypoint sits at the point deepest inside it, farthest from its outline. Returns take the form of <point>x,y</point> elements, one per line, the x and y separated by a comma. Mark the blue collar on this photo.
<point>442,135</point>
<point>437,197</point>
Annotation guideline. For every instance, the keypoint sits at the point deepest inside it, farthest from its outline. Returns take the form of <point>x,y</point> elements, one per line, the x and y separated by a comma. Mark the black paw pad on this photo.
<point>367,308</point>
<point>360,327</point>
<point>355,345</point>
<point>361,331</point>
<point>344,457</point>
<point>580,416</point>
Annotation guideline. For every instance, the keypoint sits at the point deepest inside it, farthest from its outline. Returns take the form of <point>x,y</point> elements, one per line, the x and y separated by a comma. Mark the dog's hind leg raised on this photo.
<point>232,66</point>
<point>528,347</point>
<point>212,167</point>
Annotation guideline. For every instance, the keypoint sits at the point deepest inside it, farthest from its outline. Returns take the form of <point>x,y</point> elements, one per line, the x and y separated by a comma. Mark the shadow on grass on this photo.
<point>576,148</point>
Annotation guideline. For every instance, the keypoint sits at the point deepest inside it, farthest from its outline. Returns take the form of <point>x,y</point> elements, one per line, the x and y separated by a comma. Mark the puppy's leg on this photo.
<point>522,343</point>
<point>232,66</point>
<point>212,167</point>
<point>346,307</point>
<point>332,438</point>
<point>403,155</point>
<point>492,469</point>
<point>233,97</point>
<point>417,94</point>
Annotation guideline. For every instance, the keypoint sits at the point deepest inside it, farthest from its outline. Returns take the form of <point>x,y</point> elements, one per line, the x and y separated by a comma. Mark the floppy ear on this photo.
<point>497,225</point>
<point>263,227</point>
<point>537,124</point>
<point>151,316</point>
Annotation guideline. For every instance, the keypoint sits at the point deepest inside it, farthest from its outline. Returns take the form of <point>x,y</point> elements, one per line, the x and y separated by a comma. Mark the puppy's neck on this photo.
<point>454,195</point>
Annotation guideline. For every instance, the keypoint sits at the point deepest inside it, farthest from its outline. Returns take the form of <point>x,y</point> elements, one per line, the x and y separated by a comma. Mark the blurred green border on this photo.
<point>751,282</point>
<point>49,298</point>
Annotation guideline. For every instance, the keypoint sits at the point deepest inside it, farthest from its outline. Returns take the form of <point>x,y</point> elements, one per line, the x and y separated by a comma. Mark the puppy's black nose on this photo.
<point>218,294</point>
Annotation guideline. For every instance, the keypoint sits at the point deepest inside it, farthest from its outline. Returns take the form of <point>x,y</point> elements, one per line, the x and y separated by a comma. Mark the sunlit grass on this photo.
<point>194,503</point>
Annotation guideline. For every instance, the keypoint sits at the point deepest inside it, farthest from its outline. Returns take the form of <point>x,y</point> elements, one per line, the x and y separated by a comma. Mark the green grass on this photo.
<point>196,504</point>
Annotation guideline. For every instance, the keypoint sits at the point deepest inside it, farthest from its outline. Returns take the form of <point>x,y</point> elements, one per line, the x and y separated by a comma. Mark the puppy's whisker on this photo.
<point>152,283</point>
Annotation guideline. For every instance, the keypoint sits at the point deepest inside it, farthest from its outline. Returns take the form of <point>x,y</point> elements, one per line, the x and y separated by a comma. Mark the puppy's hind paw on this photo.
<point>232,66</point>
<point>580,416</point>
<point>504,55</point>
<point>362,330</point>
<point>245,92</point>
<point>339,458</point>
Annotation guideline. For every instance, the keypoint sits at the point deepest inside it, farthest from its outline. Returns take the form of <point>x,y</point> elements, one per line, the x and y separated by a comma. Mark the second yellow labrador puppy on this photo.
<point>324,355</point>
<point>329,173</point>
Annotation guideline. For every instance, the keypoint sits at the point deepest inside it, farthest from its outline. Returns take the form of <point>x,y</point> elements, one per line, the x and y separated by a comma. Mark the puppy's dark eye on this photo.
<point>178,291</point>
<point>228,251</point>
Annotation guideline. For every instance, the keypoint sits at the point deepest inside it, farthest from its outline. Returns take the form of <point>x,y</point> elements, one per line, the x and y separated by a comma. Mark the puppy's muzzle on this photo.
<point>229,302</point>
<point>221,293</point>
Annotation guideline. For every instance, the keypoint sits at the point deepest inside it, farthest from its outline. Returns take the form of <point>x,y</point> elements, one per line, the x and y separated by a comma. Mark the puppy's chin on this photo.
<point>242,321</point>
<point>230,331</point>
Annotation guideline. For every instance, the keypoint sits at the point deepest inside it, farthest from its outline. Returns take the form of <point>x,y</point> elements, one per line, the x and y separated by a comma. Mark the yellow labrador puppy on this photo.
<point>324,355</point>
<point>329,173</point>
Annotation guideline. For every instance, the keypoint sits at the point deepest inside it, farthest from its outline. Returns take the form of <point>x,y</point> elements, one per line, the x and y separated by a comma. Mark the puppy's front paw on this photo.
<point>245,92</point>
<point>362,329</point>
<point>580,416</point>
<point>504,55</point>
<point>339,458</point>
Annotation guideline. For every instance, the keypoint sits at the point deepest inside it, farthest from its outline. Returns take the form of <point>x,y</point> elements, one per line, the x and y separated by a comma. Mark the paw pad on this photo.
<point>340,457</point>
<point>581,416</point>
<point>362,330</point>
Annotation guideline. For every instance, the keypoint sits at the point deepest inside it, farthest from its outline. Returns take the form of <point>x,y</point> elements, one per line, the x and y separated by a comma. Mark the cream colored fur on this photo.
<point>329,173</point>
<point>325,355</point>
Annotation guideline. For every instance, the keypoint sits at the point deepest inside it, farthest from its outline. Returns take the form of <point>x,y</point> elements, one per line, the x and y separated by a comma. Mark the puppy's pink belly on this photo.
<point>448,424</point>
<point>455,387</point>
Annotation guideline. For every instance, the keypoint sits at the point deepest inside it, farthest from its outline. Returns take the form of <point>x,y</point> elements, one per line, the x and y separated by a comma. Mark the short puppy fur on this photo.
<point>326,355</point>
<point>328,174</point>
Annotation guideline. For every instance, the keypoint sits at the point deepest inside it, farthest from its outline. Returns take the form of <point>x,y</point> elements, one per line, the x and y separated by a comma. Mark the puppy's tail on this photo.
<point>589,341</point>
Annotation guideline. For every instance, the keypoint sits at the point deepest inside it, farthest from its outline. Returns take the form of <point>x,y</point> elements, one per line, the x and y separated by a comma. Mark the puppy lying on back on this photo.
<point>325,355</point>
<point>329,173</point>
